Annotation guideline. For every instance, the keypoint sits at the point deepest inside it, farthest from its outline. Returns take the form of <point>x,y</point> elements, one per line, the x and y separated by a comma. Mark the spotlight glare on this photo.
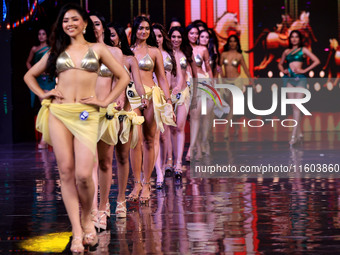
<point>281,74</point>
<point>329,86</point>
<point>274,86</point>
<point>311,74</point>
<point>322,73</point>
<point>270,74</point>
<point>258,88</point>
<point>317,86</point>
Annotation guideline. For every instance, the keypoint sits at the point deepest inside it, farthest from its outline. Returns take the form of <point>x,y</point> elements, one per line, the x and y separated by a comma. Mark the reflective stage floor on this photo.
<point>196,216</point>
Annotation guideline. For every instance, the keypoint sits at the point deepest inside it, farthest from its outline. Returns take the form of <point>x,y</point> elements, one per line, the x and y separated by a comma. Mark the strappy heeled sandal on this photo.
<point>102,220</point>
<point>178,170</point>
<point>121,209</point>
<point>168,168</point>
<point>94,217</point>
<point>107,210</point>
<point>77,244</point>
<point>144,200</point>
<point>134,197</point>
<point>90,236</point>
<point>293,141</point>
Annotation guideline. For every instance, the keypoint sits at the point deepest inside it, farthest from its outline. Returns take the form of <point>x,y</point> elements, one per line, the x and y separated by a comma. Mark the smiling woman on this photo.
<point>69,116</point>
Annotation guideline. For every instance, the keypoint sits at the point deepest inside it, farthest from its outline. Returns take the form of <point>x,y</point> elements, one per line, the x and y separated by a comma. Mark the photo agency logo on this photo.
<point>238,104</point>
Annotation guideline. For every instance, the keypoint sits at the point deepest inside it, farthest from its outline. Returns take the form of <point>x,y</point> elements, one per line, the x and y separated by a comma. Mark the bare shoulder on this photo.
<point>115,51</point>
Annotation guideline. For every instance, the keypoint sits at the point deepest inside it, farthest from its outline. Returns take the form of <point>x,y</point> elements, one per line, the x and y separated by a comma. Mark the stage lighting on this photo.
<point>329,86</point>
<point>317,86</point>
<point>281,74</point>
<point>274,86</point>
<point>322,73</point>
<point>258,88</point>
<point>311,74</point>
<point>270,74</point>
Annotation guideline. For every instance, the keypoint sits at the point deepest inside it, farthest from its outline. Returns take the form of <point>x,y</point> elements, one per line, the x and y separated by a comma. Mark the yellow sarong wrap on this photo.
<point>86,131</point>
<point>184,98</point>
<point>162,111</point>
<point>109,128</point>
<point>131,118</point>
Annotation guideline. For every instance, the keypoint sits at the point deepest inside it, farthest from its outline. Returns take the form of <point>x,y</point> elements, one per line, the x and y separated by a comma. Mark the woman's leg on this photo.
<point>149,130</point>
<point>180,135</point>
<point>84,162</point>
<point>207,126</point>
<point>195,115</point>
<point>296,116</point>
<point>122,157</point>
<point>136,163</point>
<point>62,141</point>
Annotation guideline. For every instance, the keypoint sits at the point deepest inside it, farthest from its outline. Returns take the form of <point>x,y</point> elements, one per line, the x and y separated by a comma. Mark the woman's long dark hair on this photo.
<point>60,41</point>
<point>301,44</point>
<point>185,46</point>
<point>151,39</point>
<point>213,47</point>
<point>226,46</point>
<point>107,33</point>
<point>124,43</point>
<point>167,46</point>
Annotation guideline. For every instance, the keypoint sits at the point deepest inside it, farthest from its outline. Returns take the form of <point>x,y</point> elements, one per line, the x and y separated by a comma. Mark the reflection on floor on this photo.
<point>196,216</point>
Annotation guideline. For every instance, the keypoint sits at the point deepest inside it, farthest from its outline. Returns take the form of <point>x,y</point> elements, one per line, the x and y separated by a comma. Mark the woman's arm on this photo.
<point>179,77</point>
<point>206,62</point>
<point>138,80</point>
<point>30,79</point>
<point>29,59</point>
<point>315,60</point>
<point>282,60</point>
<point>160,74</point>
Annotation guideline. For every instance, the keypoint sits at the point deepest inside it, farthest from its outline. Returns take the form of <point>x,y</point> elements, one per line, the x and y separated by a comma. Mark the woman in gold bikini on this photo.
<point>160,110</point>
<point>69,115</point>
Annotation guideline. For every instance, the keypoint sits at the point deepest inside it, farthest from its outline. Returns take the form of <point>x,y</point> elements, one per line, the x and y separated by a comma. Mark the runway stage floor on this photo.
<point>197,216</point>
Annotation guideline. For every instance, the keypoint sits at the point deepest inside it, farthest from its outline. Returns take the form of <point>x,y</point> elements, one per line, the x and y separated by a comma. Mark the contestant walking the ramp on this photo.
<point>135,87</point>
<point>231,59</point>
<point>110,121</point>
<point>160,110</point>
<point>200,125</point>
<point>294,75</point>
<point>69,116</point>
<point>173,75</point>
<point>46,83</point>
<point>180,92</point>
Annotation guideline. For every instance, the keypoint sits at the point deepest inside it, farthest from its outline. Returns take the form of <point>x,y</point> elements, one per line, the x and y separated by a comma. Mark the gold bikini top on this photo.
<point>198,60</point>
<point>234,62</point>
<point>168,64</point>
<point>146,63</point>
<point>89,63</point>
<point>183,62</point>
<point>104,71</point>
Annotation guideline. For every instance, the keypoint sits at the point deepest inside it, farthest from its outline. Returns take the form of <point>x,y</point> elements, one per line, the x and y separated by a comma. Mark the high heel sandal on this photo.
<point>144,200</point>
<point>107,210</point>
<point>90,237</point>
<point>102,220</point>
<point>77,244</point>
<point>121,209</point>
<point>293,141</point>
<point>178,170</point>
<point>94,217</point>
<point>168,168</point>
<point>134,197</point>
